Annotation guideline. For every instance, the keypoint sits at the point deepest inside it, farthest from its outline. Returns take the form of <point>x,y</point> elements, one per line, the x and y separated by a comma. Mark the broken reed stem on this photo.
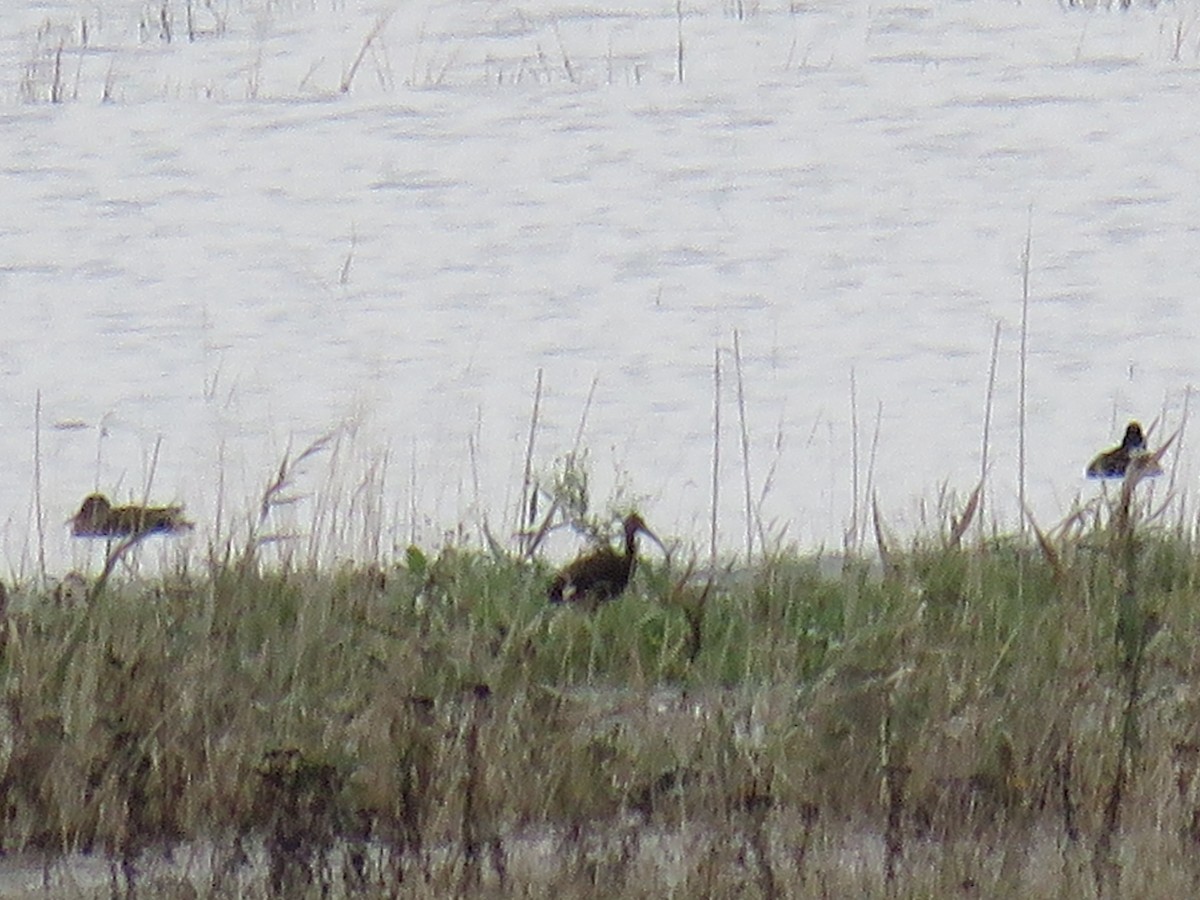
<point>890,567</point>
<point>767,484</point>
<point>114,557</point>
<point>218,532</point>
<point>380,24</point>
<point>869,490</point>
<point>101,434</point>
<point>679,40</point>
<point>527,512</point>
<point>56,88</point>
<point>1173,480</point>
<point>39,524</point>
<point>716,460</point>
<point>566,59</point>
<point>987,418</point>
<point>152,470</point>
<point>741,400</point>
<point>474,437</point>
<point>412,493</point>
<point>583,417</point>
<point>344,273</point>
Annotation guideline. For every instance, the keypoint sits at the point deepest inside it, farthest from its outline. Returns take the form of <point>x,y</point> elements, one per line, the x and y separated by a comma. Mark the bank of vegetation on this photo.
<point>965,713</point>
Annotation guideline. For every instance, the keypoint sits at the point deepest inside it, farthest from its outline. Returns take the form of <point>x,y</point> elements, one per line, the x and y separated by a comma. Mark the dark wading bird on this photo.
<point>1115,463</point>
<point>602,574</point>
<point>99,518</point>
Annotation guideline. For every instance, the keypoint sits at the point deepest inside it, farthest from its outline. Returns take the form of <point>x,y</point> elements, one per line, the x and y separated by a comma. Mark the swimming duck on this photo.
<point>1115,463</point>
<point>99,518</point>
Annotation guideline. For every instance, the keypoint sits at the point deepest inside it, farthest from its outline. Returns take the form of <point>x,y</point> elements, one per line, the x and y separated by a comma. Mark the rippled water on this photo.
<point>229,256</point>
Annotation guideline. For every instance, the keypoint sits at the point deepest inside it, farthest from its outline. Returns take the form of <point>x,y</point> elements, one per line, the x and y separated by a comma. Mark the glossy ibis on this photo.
<point>602,574</point>
<point>1115,463</point>
<point>99,518</point>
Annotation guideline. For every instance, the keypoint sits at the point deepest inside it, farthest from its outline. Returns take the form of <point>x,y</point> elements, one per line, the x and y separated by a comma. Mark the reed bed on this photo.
<point>997,717</point>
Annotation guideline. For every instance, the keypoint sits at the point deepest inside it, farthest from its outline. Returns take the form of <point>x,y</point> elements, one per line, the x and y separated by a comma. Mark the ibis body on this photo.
<point>602,574</point>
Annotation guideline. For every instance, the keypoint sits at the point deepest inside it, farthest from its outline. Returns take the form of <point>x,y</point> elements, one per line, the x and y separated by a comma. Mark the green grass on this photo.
<point>962,719</point>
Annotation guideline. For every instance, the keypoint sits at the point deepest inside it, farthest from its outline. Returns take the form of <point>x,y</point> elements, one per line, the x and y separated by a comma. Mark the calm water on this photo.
<point>230,257</point>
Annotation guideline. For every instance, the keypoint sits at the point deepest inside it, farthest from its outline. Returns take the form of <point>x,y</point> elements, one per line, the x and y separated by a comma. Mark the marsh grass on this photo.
<point>1005,717</point>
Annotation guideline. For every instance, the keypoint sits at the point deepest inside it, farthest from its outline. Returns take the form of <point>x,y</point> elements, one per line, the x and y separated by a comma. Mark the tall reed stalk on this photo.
<point>745,435</point>
<point>716,456</point>
<point>1022,381</point>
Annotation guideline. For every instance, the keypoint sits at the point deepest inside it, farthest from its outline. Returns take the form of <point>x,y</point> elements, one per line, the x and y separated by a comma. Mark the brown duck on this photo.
<point>1115,463</point>
<point>603,574</point>
<point>99,518</point>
